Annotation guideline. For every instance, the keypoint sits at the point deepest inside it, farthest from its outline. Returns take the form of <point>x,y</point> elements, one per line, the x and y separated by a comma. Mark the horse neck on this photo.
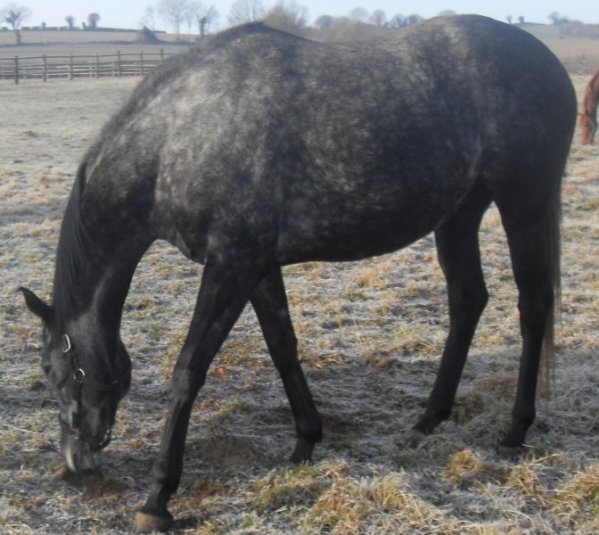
<point>91,279</point>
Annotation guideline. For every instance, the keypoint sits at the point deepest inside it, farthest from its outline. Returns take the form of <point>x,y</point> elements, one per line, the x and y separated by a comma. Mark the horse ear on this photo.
<point>37,306</point>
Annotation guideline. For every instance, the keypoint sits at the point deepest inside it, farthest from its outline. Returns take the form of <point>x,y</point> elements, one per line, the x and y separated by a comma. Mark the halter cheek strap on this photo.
<point>77,373</point>
<point>79,379</point>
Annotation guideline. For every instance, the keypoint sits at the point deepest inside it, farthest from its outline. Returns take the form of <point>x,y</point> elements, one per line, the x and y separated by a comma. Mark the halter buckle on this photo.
<point>67,344</point>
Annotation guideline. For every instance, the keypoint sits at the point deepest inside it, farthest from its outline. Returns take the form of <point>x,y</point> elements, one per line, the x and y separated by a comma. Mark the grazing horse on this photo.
<point>263,149</point>
<point>588,116</point>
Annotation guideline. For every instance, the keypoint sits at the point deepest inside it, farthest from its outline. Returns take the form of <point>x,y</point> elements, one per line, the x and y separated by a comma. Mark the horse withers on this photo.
<point>263,149</point>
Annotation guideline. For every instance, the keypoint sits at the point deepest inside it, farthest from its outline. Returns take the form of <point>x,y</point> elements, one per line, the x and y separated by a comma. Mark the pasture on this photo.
<point>370,335</point>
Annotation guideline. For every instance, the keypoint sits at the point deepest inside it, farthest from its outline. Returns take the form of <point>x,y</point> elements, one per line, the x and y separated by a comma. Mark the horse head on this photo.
<point>88,391</point>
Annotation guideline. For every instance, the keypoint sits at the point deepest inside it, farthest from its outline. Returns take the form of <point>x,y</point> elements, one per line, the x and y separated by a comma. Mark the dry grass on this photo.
<point>370,336</point>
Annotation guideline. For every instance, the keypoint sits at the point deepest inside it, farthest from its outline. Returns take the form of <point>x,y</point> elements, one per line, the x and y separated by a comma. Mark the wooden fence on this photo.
<point>80,66</point>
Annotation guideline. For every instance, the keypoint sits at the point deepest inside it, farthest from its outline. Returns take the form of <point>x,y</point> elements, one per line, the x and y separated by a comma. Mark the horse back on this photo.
<point>331,151</point>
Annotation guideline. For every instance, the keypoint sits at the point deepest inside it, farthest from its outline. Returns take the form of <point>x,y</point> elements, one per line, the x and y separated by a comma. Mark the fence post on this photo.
<point>97,65</point>
<point>45,68</point>
<point>162,54</point>
<point>141,62</point>
<point>71,68</point>
<point>118,64</point>
<point>16,69</point>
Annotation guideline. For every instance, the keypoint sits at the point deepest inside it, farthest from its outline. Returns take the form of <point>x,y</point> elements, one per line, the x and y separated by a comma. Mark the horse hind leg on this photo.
<point>270,303</point>
<point>535,250</point>
<point>459,257</point>
<point>588,128</point>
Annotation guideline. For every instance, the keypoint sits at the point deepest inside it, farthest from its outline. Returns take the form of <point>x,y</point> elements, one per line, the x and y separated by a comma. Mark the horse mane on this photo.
<point>251,28</point>
<point>588,116</point>
<point>71,254</point>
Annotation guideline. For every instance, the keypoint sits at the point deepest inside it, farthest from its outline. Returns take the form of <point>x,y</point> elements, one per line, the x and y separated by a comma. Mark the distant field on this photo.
<point>79,43</point>
<point>54,37</point>
<point>580,55</point>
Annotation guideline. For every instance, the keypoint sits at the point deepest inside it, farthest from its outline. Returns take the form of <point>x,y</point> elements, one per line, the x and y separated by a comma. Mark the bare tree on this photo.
<point>207,19</point>
<point>288,15</point>
<point>413,19</point>
<point>358,14</point>
<point>174,12</point>
<point>92,21</point>
<point>397,21</point>
<point>378,17</point>
<point>191,11</point>
<point>324,22</point>
<point>558,19</point>
<point>245,11</point>
<point>148,20</point>
<point>15,15</point>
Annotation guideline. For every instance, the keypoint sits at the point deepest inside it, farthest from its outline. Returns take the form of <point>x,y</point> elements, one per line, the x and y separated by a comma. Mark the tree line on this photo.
<point>195,16</point>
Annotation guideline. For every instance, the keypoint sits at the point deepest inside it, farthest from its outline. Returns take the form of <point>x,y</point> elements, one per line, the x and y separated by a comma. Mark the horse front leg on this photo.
<point>222,296</point>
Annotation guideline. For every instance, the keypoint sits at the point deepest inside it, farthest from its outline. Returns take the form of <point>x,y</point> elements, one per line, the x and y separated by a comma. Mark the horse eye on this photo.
<point>46,368</point>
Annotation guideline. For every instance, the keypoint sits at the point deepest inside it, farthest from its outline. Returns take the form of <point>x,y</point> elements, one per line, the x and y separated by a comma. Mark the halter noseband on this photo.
<point>79,379</point>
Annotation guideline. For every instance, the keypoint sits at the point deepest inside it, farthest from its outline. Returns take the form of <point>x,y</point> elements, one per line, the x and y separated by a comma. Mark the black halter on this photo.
<point>79,377</point>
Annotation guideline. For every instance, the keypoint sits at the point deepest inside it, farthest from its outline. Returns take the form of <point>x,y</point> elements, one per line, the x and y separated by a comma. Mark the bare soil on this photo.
<point>370,337</point>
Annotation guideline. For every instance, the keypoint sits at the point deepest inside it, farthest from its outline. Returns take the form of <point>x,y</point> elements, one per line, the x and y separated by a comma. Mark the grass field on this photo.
<point>74,38</point>
<point>370,336</point>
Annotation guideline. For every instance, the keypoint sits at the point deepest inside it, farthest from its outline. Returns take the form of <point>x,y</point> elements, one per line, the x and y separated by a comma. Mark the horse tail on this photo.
<point>588,117</point>
<point>553,236</point>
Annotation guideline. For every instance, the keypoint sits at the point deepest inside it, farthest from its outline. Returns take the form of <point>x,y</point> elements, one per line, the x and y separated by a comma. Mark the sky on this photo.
<point>130,13</point>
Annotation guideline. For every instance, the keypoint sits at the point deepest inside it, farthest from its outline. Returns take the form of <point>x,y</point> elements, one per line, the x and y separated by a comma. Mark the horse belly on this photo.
<point>341,231</point>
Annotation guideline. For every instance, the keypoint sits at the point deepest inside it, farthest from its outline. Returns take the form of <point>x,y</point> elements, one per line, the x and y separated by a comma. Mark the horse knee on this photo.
<point>185,384</point>
<point>468,302</point>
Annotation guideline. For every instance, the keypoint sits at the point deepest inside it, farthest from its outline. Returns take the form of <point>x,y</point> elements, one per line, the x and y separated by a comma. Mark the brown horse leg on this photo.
<point>459,256</point>
<point>588,128</point>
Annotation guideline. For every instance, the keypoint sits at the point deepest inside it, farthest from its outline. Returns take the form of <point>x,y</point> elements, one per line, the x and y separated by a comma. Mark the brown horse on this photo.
<point>588,116</point>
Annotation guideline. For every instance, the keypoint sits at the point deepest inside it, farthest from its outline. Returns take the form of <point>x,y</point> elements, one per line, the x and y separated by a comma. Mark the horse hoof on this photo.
<point>148,522</point>
<point>510,452</point>
<point>302,452</point>
<point>415,438</point>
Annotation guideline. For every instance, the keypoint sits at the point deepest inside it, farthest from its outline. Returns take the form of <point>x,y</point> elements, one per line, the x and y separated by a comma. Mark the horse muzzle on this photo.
<point>81,451</point>
<point>79,455</point>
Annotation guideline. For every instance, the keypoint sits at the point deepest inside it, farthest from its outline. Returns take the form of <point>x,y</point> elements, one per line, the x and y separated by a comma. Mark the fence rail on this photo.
<point>80,66</point>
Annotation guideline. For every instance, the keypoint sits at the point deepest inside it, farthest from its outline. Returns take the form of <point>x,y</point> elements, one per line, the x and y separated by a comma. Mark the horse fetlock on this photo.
<point>430,420</point>
<point>510,452</point>
<point>150,521</point>
<point>414,438</point>
<point>309,428</point>
<point>303,451</point>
